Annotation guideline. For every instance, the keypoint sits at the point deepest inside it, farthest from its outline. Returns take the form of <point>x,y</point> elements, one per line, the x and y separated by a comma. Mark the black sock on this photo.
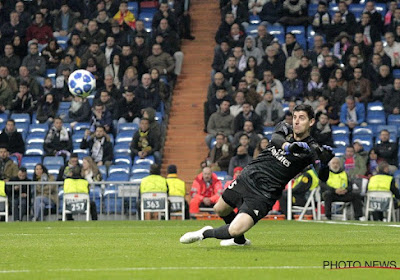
<point>228,219</point>
<point>240,239</point>
<point>219,233</point>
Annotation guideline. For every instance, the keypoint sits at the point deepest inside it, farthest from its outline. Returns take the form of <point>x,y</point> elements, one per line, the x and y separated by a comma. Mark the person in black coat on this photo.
<point>128,108</point>
<point>322,131</point>
<point>248,114</point>
<point>164,12</point>
<point>12,138</point>
<point>99,145</point>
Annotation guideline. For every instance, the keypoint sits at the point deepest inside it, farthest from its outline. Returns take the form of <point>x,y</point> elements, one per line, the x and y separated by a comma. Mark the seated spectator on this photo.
<point>128,108</point>
<point>269,83</point>
<point>64,21</point>
<point>352,113</point>
<point>63,93</point>
<point>163,61</point>
<point>46,196</point>
<point>147,95</point>
<point>224,28</point>
<point>261,145</point>
<point>70,168</point>
<point>359,149</point>
<point>160,86</point>
<point>39,31</point>
<point>11,81</point>
<point>115,70</point>
<point>79,111</point>
<point>383,181</point>
<point>392,49</point>
<point>322,131</point>
<point>124,17</point>
<point>176,186</point>
<point>150,114</point>
<point>253,68</point>
<point>241,59</point>
<point>232,73</point>
<point>381,83</point>
<point>101,117</point>
<point>107,101</point>
<point>47,109</point>
<point>359,87</point>
<point>130,78</point>
<point>9,59</point>
<point>263,38</point>
<point>12,138</point>
<point>334,94</point>
<point>89,170</point>
<point>289,45</point>
<point>52,54</point>
<point>304,70</point>
<point>270,110</point>
<point>141,46</point>
<point>294,12</point>
<point>20,48</point>
<point>99,145</point>
<point>250,49</point>
<point>97,71</point>
<point>271,13</point>
<point>205,192</point>
<point>221,55</point>
<point>341,46</point>
<point>322,18</point>
<point>8,169</point>
<point>341,81</point>
<point>353,164</point>
<point>48,88</point>
<point>35,63</point>
<point>92,34</point>
<point>294,61</point>
<point>23,101</point>
<point>14,27</point>
<point>248,114</point>
<point>164,12</point>
<point>302,186</point>
<point>239,100</point>
<point>95,52</point>
<point>220,121</point>
<point>292,87</point>
<point>315,85</point>
<point>110,49</point>
<point>371,31</point>
<point>339,188</point>
<point>220,155</point>
<point>372,163</point>
<point>243,140</point>
<point>58,140</point>
<point>387,150</point>
<point>236,172</point>
<point>17,195</point>
<point>241,159</point>
<point>145,142</point>
<point>217,83</point>
<point>239,10</point>
<point>391,101</point>
<point>327,69</point>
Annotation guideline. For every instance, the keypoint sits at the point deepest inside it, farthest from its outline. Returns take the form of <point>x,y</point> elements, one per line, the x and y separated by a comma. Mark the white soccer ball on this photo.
<point>81,83</point>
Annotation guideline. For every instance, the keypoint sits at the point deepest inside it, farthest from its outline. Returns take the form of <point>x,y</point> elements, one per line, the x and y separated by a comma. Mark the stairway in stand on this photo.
<point>185,146</point>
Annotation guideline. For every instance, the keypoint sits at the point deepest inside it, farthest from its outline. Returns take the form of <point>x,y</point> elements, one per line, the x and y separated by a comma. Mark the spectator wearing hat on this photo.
<point>176,186</point>
<point>18,195</point>
<point>128,108</point>
<point>359,150</point>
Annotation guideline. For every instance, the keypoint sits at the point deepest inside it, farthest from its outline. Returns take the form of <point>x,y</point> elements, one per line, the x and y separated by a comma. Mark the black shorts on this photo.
<point>240,196</point>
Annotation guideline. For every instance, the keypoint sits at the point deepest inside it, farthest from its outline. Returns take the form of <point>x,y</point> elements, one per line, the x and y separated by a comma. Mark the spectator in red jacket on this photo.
<point>206,190</point>
<point>39,31</point>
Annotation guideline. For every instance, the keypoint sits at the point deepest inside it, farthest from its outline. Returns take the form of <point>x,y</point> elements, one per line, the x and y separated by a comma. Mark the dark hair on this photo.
<point>306,108</point>
<point>11,120</point>
<point>220,133</point>
<point>155,169</point>
<point>45,171</point>
<point>74,155</point>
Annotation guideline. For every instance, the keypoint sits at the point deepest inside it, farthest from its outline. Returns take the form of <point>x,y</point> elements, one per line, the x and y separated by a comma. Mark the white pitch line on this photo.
<point>160,268</point>
<point>350,223</point>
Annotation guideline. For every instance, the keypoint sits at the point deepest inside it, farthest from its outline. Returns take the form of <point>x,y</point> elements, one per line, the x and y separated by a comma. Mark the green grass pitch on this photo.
<point>151,250</point>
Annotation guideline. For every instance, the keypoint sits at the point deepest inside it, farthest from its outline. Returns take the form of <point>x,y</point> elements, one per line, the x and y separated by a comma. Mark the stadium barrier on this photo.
<point>114,200</point>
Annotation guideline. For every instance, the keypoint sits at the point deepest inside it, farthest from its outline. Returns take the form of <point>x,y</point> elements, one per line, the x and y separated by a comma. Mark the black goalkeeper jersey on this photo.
<point>269,173</point>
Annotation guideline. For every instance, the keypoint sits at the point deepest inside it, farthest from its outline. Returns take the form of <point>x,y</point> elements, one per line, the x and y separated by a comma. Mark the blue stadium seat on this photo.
<point>51,73</point>
<point>339,151</point>
<point>268,131</point>
<point>396,73</point>
<point>95,195</point>
<point>159,117</point>
<point>341,140</point>
<point>394,120</point>
<point>35,149</point>
<point>375,106</point>
<point>146,16</point>
<point>124,137</point>
<point>366,140</point>
<point>344,130</point>
<point>118,177</point>
<point>49,160</point>
<point>78,136</point>
<point>391,128</point>
<point>254,19</point>
<point>363,130</point>
<point>212,143</point>
<point>140,168</point>
<point>122,148</point>
<point>80,151</point>
<point>21,118</point>
<point>30,161</point>
<point>120,160</point>
<point>128,126</point>
<point>136,178</point>
<point>147,160</point>
<point>34,118</point>
<point>103,171</point>
<point>376,118</point>
<point>39,127</point>
<point>147,26</point>
<point>35,137</point>
<point>3,117</point>
<point>65,105</point>
<point>133,7</point>
<point>222,175</point>
<point>14,159</point>
<point>276,30</point>
<point>381,8</point>
<point>62,41</point>
<point>252,30</point>
<point>312,9</point>
<point>22,127</point>
<point>119,169</point>
<point>2,126</point>
<point>81,126</point>
<point>53,169</point>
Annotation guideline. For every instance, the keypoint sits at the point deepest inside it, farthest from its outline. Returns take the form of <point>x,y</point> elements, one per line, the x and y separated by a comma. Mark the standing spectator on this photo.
<point>8,169</point>
<point>39,31</point>
<point>387,150</point>
<point>222,121</point>
<point>248,114</point>
<point>46,195</point>
<point>339,188</point>
<point>322,131</point>
<point>47,109</point>
<point>293,87</point>
<point>99,145</point>
<point>58,140</point>
<point>353,164</point>
<point>241,159</point>
<point>206,190</point>
<point>23,101</point>
<point>270,110</point>
<point>145,142</point>
<point>18,195</point>
<point>352,113</point>
<point>359,87</point>
<point>220,155</point>
<point>35,63</point>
